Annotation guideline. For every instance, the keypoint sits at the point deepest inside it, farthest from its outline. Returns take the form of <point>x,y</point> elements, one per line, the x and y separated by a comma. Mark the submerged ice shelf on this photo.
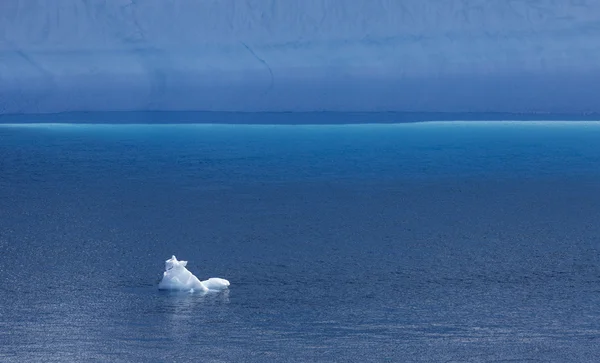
<point>177,277</point>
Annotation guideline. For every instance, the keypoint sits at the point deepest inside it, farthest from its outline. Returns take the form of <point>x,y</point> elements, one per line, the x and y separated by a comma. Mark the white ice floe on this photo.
<point>177,277</point>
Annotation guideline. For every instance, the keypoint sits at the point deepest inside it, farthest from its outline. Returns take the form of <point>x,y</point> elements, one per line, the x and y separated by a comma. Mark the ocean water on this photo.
<point>426,242</point>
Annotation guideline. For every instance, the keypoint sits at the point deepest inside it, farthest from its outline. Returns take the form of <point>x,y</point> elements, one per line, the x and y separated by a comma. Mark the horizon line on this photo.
<point>430,123</point>
<point>284,117</point>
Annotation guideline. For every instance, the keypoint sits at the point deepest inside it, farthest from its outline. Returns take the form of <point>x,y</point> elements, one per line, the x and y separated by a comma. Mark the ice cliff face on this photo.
<point>252,55</point>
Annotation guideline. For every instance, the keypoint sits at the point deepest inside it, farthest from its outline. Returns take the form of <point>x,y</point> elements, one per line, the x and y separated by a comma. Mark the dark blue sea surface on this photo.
<point>427,242</point>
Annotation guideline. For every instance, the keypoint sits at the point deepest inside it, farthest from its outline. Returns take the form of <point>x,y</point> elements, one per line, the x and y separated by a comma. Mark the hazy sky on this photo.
<point>303,55</point>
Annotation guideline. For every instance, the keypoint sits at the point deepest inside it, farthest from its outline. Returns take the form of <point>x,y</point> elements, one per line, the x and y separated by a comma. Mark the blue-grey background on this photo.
<point>430,242</point>
<point>271,55</point>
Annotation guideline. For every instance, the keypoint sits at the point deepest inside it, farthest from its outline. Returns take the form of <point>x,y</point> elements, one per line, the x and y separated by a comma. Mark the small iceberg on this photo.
<point>177,277</point>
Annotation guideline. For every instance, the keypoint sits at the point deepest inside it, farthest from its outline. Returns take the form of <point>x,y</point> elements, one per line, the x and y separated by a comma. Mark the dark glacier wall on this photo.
<point>300,55</point>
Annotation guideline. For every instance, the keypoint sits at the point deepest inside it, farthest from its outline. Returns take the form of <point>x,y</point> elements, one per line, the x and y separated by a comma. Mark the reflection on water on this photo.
<point>186,313</point>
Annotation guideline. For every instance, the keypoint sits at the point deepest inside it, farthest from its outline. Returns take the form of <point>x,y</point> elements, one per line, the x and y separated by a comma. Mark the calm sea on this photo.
<point>426,242</point>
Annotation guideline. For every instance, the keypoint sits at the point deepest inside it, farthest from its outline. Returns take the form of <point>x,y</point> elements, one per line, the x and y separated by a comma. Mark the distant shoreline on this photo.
<point>279,118</point>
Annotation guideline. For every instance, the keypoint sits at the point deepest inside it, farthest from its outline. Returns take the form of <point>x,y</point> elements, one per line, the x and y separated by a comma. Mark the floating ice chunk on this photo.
<point>215,283</point>
<point>177,277</point>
